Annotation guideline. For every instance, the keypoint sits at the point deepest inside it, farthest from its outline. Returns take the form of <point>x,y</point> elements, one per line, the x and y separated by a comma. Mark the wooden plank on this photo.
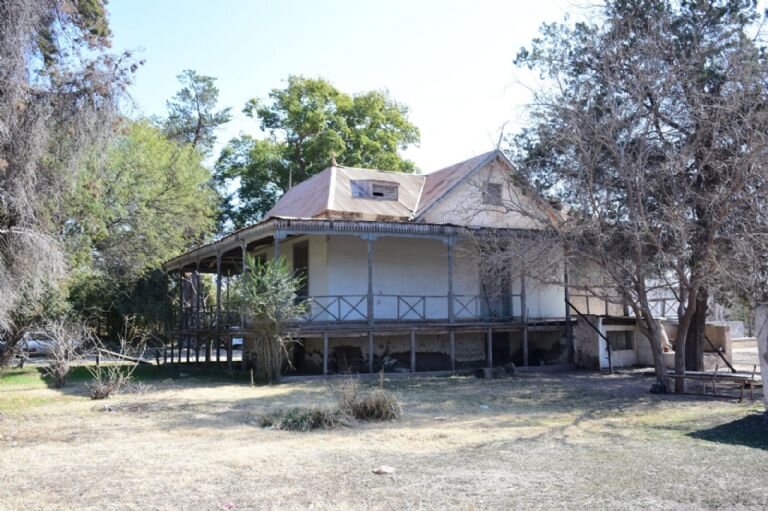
<point>325,353</point>
<point>489,346</point>
<point>370,283</point>
<point>451,298</point>
<point>452,340</point>
<point>370,351</point>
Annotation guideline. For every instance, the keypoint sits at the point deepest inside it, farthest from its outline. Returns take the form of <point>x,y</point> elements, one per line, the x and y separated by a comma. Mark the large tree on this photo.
<point>192,114</point>
<point>655,137</point>
<point>149,199</point>
<point>59,90</point>
<point>308,123</point>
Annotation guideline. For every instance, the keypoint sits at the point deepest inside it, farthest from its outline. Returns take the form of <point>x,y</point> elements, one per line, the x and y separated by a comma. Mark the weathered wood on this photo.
<point>121,357</point>
<point>325,353</point>
<point>452,341</point>
<point>489,346</point>
<point>524,316</point>
<point>370,281</point>
<point>413,350</point>
<point>451,298</point>
<point>218,304</point>
<point>370,351</point>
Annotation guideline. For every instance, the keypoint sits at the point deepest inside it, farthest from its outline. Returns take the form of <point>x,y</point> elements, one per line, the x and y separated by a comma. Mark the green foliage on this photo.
<point>192,115</point>
<point>309,122</point>
<point>269,293</point>
<point>147,200</point>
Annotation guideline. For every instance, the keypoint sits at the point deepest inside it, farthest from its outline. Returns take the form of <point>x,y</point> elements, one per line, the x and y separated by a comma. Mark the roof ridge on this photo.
<point>331,189</point>
<point>418,198</point>
<point>483,158</point>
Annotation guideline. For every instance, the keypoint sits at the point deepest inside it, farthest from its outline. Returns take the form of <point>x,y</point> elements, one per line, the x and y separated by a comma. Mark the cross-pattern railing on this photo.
<point>336,308</point>
<point>351,308</point>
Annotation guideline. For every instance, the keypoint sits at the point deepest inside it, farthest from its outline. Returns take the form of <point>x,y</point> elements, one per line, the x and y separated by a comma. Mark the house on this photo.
<point>393,279</point>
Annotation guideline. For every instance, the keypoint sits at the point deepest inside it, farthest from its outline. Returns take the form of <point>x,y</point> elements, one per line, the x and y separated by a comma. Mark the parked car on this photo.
<point>36,347</point>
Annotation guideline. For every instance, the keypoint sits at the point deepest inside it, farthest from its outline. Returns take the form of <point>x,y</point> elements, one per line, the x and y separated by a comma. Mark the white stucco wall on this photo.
<point>463,205</point>
<point>408,267</point>
<point>620,358</point>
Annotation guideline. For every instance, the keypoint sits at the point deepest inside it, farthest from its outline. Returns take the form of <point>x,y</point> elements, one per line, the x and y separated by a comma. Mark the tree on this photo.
<point>270,293</point>
<point>192,115</point>
<point>655,140</point>
<point>147,200</point>
<point>309,123</point>
<point>59,90</point>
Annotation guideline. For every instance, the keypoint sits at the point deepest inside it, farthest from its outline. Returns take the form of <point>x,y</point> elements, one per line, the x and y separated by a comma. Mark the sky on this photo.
<point>450,62</point>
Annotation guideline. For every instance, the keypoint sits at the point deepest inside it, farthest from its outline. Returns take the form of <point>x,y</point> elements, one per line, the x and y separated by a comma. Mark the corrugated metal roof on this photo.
<point>440,182</point>
<point>305,200</point>
<point>329,193</point>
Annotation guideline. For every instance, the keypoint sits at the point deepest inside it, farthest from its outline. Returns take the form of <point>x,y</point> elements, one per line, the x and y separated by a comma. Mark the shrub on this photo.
<point>379,405</point>
<point>108,380</point>
<point>306,419</point>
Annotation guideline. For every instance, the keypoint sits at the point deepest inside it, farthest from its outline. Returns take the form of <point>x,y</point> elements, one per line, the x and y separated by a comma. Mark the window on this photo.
<point>492,194</point>
<point>382,191</point>
<point>366,189</point>
<point>359,188</point>
<point>621,339</point>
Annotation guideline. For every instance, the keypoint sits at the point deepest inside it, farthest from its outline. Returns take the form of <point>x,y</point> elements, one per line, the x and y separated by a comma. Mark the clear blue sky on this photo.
<point>449,61</point>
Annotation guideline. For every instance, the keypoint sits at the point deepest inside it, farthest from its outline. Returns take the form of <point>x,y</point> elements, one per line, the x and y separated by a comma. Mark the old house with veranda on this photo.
<point>393,281</point>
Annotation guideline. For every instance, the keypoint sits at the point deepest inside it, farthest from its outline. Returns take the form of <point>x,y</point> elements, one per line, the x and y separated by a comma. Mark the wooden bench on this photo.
<point>743,380</point>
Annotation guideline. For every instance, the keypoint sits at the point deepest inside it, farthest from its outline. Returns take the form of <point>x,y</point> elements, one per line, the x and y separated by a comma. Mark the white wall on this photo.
<point>463,205</point>
<point>415,267</point>
<point>620,358</point>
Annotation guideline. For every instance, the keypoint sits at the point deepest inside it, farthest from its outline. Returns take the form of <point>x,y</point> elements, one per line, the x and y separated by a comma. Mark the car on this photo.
<point>36,347</point>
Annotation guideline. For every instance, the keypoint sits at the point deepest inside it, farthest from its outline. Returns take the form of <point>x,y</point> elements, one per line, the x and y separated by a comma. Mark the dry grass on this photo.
<point>576,440</point>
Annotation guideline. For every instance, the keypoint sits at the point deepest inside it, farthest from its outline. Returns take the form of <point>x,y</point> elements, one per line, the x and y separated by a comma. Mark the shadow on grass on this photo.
<point>750,431</point>
<point>36,375</point>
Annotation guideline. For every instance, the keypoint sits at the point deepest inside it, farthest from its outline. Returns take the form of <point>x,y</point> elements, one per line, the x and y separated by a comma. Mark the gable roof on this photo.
<point>439,183</point>
<point>329,193</point>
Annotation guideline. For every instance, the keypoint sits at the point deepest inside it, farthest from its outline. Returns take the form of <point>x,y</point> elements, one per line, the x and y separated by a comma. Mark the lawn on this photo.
<point>537,441</point>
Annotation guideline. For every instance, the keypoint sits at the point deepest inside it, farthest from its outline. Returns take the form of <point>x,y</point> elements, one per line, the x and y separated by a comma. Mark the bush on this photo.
<point>379,405</point>
<point>108,380</point>
<point>306,419</point>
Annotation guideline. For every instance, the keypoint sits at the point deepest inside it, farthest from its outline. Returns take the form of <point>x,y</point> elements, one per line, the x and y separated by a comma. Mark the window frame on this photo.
<point>628,341</point>
<point>492,194</point>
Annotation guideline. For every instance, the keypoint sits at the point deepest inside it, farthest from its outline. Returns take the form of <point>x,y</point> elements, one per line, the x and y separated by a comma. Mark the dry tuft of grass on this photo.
<point>379,405</point>
<point>306,419</point>
<point>352,404</point>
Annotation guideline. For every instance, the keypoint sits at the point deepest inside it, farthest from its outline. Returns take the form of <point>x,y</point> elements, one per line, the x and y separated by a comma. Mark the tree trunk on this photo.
<point>654,337</point>
<point>683,325</point>
<point>694,346</point>
<point>761,329</point>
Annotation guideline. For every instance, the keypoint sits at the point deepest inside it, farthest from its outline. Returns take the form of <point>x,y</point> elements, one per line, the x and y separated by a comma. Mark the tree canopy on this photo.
<point>192,115</point>
<point>655,138</point>
<point>146,201</point>
<point>59,94</point>
<point>308,123</point>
